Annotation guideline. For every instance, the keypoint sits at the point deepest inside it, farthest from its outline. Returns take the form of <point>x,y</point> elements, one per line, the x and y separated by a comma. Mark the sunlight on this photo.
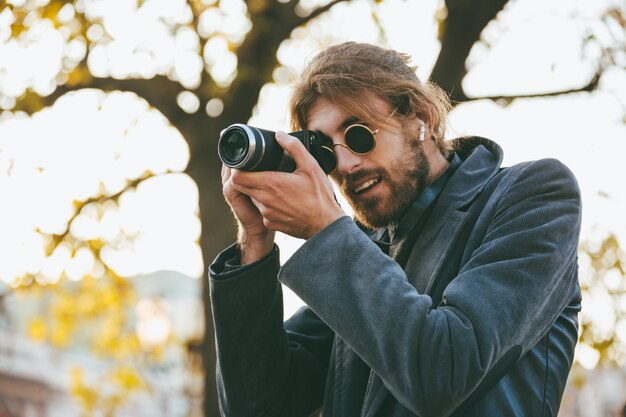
<point>214,107</point>
<point>33,61</point>
<point>587,356</point>
<point>153,321</point>
<point>80,264</point>
<point>102,142</point>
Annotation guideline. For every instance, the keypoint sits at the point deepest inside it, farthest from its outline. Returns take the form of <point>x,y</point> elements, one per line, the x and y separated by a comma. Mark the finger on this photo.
<point>258,205</point>
<point>296,149</point>
<point>252,180</point>
<point>225,173</point>
<point>252,192</point>
<point>271,219</point>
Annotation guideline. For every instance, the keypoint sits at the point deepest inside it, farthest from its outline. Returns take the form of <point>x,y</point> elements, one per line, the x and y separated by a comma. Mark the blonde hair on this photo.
<point>352,74</point>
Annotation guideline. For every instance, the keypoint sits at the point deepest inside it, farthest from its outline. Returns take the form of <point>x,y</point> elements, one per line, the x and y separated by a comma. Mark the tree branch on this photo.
<point>592,85</point>
<point>159,91</point>
<point>315,13</point>
<point>80,205</point>
<point>160,98</point>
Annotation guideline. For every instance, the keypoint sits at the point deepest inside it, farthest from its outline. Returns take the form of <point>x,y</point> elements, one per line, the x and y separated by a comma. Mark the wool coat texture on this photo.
<point>479,319</point>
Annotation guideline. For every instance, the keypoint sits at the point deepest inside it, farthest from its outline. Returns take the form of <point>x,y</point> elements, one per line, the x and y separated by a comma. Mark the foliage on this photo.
<point>603,318</point>
<point>602,341</point>
<point>95,397</point>
<point>95,312</point>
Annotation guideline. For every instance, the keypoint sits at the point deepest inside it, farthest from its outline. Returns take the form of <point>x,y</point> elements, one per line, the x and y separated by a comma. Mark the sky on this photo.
<point>89,141</point>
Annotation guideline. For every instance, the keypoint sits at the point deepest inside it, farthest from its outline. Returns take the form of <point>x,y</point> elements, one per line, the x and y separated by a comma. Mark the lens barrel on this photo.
<point>249,148</point>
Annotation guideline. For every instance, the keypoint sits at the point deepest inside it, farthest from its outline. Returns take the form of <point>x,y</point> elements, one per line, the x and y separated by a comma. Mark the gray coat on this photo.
<point>485,308</point>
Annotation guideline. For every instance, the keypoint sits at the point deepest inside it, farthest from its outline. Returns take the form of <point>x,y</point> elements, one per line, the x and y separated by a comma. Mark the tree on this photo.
<point>604,293</point>
<point>251,53</point>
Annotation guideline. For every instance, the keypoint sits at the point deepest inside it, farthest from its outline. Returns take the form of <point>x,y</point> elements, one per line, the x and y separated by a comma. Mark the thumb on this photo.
<point>296,149</point>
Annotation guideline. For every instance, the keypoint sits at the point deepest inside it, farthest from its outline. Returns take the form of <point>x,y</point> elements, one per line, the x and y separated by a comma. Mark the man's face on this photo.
<point>381,185</point>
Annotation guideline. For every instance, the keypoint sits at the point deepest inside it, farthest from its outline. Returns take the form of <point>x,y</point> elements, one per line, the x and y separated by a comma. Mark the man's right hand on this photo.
<point>255,240</point>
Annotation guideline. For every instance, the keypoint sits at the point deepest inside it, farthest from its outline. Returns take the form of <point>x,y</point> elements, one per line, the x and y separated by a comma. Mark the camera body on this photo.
<point>250,148</point>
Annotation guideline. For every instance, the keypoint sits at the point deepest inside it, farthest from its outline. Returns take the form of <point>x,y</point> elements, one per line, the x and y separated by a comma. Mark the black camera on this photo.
<point>249,148</point>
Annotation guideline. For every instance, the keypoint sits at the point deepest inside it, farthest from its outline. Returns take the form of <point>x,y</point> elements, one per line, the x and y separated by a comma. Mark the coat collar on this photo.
<point>481,162</point>
<point>481,159</point>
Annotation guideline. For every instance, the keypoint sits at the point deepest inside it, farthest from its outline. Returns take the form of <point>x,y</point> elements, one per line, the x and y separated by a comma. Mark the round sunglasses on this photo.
<point>360,140</point>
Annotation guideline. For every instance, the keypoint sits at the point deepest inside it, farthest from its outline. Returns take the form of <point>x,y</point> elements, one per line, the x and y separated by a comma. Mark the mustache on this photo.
<point>349,180</point>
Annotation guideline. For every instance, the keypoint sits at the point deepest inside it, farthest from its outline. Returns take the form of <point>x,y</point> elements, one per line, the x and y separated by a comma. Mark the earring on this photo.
<point>422,130</point>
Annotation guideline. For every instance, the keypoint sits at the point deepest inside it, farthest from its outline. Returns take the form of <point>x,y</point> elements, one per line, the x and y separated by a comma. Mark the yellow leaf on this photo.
<point>128,379</point>
<point>37,329</point>
<point>87,305</point>
<point>61,333</point>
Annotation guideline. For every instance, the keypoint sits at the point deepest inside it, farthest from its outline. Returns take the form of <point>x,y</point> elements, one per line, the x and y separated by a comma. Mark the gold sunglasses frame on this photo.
<point>345,145</point>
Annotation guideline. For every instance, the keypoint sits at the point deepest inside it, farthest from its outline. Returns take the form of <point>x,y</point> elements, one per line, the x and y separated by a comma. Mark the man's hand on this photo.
<point>299,203</point>
<point>254,239</point>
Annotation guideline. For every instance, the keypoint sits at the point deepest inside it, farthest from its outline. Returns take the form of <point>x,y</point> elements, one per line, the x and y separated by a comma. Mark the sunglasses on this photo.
<point>360,140</point>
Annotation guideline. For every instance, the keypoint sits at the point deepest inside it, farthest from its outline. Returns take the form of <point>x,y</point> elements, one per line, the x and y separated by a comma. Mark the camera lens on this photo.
<point>249,148</point>
<point>234,147</point>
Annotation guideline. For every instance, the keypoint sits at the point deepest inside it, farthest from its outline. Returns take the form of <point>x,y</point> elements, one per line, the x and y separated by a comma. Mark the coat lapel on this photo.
<point>376,395</point>
<point>425,262</point>
<point>431,251</point>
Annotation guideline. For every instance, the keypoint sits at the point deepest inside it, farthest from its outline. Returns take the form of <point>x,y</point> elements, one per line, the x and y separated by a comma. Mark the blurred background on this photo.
<point>110,194</point>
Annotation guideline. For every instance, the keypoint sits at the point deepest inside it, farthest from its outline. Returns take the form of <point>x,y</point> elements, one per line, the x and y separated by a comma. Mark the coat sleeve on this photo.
<point>264,368</point>
<point>504,298</point>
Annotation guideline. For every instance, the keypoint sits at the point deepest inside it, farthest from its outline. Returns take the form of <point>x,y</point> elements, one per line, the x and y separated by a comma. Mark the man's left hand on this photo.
<point>299,203</point>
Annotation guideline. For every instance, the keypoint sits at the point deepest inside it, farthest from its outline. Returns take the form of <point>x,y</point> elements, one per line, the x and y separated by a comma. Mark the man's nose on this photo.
<point>347,162</point>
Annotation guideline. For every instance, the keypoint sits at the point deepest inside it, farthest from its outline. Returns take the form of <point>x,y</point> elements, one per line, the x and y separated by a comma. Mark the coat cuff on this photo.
<point>228,263</point>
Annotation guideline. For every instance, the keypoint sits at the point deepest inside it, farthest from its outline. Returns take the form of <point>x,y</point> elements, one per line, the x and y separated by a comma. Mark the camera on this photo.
<point>249,148</point>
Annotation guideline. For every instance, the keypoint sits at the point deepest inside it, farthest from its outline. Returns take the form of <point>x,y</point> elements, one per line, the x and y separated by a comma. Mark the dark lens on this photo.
<point>235,147</point>
<point>360,139</point>
<point>326,158</point>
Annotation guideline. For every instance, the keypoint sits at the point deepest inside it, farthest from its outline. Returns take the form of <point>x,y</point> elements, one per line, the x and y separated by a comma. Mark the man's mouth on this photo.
<point>364,186</point>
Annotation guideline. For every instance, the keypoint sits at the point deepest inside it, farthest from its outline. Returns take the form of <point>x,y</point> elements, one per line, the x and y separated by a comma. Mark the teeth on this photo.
<point>365,185</point>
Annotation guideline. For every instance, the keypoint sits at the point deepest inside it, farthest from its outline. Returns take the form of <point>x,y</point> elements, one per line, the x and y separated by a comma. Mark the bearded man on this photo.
<point>452,292</point>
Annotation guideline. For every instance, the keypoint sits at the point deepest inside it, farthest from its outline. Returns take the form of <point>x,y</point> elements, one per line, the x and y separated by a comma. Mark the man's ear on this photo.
<point>430,119</point>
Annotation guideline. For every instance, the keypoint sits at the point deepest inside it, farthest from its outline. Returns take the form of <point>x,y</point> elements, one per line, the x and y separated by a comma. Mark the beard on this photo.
<point>405,183</point>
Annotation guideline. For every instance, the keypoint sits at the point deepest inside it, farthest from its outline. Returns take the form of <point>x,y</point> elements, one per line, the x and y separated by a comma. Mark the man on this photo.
<point>453,293</point>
